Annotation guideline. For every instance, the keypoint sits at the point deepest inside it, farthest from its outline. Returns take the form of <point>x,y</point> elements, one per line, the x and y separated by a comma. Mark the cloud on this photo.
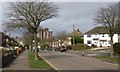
<point>80,14</point>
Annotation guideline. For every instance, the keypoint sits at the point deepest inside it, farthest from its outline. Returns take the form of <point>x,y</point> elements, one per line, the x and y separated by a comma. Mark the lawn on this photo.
<point>38,63</point>
<point>115,59</point>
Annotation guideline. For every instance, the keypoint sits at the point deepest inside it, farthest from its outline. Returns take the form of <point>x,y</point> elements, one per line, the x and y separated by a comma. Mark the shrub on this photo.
<point>94,46</point>
<point>116,48</point>
<point>79,47</point>
<point>77,40</point>
<point>5,52</point>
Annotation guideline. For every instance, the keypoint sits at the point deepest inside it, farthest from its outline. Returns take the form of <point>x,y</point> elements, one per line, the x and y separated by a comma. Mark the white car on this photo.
<point>1,47</point>
<point>16,47</point>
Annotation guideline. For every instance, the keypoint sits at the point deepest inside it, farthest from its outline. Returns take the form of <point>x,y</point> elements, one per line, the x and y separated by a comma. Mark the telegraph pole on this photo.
<point>73,36</point>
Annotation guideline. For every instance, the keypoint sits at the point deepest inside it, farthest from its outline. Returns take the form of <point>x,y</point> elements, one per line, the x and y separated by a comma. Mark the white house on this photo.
<point>99,36</point>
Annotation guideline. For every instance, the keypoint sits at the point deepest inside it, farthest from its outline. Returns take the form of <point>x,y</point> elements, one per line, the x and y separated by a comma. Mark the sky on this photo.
<point>79,14</point>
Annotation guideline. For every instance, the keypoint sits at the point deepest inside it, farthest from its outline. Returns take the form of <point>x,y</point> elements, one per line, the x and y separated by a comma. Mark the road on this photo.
<point>70,61</point>
<point>91,52</point>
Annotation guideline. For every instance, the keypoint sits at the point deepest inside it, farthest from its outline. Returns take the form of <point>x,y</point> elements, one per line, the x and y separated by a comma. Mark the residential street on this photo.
<point>70,61</point>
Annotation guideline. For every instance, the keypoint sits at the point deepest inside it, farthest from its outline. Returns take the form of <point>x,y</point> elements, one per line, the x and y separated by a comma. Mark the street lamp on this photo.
<point>33,44</point>
<point>73,36</point>
<point>33,41</point>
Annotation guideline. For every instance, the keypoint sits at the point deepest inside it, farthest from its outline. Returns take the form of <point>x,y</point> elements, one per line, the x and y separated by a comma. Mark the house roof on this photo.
<point>76,33</point>
<point>98,30</point>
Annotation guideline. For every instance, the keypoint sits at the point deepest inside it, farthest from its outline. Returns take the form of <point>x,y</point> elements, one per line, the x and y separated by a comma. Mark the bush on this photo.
<point>79,47</point>
<point>94,46</point>
<point>5,52</point>
<point>77,40</point>
<point>116,48</point>
<point>6,60</point>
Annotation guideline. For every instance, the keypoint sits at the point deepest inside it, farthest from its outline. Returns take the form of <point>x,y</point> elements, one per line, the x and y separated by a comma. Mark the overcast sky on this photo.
<point>80,14</point>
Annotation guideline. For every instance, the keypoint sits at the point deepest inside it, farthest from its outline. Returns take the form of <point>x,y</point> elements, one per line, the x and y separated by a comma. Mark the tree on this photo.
<point>62,36</point>
<point>119,22</point>
<point>27,16</point>
<point>108,17</point>
<point>77,40</point>
<point>27,38</point>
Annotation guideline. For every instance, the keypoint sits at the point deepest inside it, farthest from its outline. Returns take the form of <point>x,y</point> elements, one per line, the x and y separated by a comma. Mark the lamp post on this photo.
<point>33,44</point>
<point>73,36</point>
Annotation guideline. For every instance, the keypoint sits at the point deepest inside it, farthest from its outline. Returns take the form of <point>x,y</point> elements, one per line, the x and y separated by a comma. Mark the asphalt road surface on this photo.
<point>70,61</point>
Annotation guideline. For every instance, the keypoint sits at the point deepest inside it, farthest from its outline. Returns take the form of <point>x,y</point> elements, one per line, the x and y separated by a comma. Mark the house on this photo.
<point>76,32</point>
<point>99,36</point>
<point>6,40</point>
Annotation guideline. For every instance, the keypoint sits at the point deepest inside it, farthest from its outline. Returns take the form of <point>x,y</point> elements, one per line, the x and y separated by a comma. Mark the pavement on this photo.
<point>70,61</point>
<point>20,63</point>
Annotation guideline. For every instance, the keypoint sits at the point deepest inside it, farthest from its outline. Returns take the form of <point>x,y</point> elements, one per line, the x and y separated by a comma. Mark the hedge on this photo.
<point>116,48</point>
<point>79,47</point>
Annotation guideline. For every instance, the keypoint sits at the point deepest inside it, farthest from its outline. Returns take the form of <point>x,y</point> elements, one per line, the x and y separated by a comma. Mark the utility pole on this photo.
<point>119,22</point>
<point>73,36</point>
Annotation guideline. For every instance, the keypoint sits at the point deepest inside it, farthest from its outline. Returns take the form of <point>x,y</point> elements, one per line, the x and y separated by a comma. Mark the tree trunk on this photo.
<point>60,43</point>
<point>118,38</point>
<point>111,51</point>
<point>73,40</point>
<point>36,45</point>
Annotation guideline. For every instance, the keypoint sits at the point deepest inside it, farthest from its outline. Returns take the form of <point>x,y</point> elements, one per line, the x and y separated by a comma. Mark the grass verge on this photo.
<point>108,58</point>
<point>38,63</point>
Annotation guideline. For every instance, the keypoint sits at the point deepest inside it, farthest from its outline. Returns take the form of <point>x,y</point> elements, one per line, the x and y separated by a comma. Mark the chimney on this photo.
<point>4,32</point>
<point>78,30</point>
<point>9,35</point>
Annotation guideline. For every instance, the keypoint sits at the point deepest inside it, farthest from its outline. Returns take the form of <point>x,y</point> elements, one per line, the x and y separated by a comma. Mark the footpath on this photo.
<point>20,63</point>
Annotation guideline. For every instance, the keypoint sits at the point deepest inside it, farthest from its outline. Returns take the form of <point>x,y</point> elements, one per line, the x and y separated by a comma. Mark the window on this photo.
<point>95,34</point>
<point>88,35</point>
<point>109,42</point>
<point>95,42</point>
<point>88,42</point>
<point>102,35</point>
<point>95,39</point>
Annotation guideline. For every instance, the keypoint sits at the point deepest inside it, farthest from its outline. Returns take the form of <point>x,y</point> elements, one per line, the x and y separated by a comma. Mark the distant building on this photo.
<point>76,32</point>
<point>45,33</point>
<point>46,36</point>
<point>67,42</point>
<point>99,36</point>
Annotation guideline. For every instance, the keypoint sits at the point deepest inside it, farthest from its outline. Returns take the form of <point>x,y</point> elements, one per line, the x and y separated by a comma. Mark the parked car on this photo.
<point>69,47</point>
<point>49,49</point>
<point>57,49</point>
<point>63,48</point>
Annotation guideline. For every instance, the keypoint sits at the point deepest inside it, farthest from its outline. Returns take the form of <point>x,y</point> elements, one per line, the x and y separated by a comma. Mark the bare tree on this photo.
<point>108,17</point>
<point>119,22</point>
<point>62,36</point>
<point>28,16</point>
<point>27,38</point>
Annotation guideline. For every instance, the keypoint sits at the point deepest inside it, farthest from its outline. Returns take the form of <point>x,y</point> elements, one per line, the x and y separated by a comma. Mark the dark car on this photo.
<point>62,49</point>
<point>57,49</point>
<point>69,47</point>
<point>49,49</point>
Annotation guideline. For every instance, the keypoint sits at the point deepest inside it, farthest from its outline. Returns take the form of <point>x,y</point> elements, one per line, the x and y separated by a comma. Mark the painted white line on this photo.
<point>48,62</point>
